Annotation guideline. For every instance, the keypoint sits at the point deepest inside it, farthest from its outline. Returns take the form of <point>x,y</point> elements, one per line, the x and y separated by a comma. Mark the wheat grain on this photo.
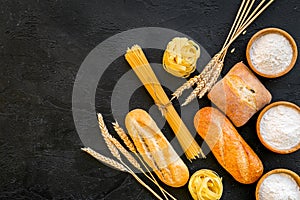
<point>192,96</point>
<point>114,145</point>
<point>195,79</point>
<point>204,78</point>
<point>124,137</point>
<point>242,20</point>
<point>120,131</point>
<point>106,136</point>
<point>185,86</point>
<point>213,79</point>
<point>135,163</point>
<point>127,155</point>
<point>104,159</point>
<point>200,85</point>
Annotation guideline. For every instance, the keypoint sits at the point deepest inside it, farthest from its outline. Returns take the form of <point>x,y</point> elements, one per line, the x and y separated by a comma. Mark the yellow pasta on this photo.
<point>139,63</point>
<point>180,57</point>
<point>205,184</point>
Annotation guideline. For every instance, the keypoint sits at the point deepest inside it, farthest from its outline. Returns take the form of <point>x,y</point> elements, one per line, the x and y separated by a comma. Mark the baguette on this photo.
<point>239,94</point>
<point>229,148</point>
<point>155,149</point>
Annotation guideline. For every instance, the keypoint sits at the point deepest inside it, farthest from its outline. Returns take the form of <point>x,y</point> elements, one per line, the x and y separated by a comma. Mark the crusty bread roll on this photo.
<point>239,94</point>
<point>155,149</point>
<point>229,148</point>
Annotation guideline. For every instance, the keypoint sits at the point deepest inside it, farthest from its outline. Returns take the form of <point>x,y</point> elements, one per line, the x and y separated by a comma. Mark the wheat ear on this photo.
<point>124,137</point>
<point>114,150</point>
<point>200,85</point>
<point>204,78</point>
<point>131,159</point>
<point>113,145</point>
<point>104,159</point>
<point>213,79</point>
<point>196,79</point>
<point>194,94</point>
<point>127,155</point>
<point>185,86</point>
<point>120,131</point>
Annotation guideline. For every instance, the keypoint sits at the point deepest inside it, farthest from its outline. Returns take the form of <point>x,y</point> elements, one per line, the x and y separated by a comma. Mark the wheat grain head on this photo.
<point>120,131</point>
<point>104,159</point>
<point>106,136</point>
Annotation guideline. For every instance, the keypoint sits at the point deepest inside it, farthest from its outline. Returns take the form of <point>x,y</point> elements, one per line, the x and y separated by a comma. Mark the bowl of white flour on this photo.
<point>271,52</point>
<point>278,127</point>
<point>278,184</point>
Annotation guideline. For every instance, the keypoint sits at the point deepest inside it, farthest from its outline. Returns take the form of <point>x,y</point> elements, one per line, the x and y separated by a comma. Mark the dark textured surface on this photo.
<point>43,43</point>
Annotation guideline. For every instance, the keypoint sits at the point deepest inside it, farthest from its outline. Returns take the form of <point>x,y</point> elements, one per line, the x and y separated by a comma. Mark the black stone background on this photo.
<point>42,45</point>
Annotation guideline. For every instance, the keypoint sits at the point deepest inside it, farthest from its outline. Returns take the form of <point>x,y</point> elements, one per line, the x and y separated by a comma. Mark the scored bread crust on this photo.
<point>239,94</point>
<point>155,149</point>
<point>229,148</point>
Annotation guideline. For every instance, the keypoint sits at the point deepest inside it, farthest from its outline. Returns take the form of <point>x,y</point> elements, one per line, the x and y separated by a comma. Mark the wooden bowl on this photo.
<point>267,31</point>
<point>275,171</point>
<point>285,151</point>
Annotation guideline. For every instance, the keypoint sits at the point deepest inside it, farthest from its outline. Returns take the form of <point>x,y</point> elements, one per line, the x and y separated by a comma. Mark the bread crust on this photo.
<point>155,149</point>
<point>239,94</point>
<point>229,148</point>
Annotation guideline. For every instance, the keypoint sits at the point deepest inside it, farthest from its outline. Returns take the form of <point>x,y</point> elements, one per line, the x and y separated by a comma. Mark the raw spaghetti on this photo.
<point>139,63</point>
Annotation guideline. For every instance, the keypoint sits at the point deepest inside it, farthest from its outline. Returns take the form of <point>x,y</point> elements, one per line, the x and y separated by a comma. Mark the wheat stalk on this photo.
<point>114,151</point>
<point>213,79</point>
<point>124,137</point>
<point>242,21</point>
<point>120,131</point>
<point>131,159</point>
<point>119,166</point>
<point>127,155</point>
<point>200,85</point>
<point>196,79</point>
<point>145,185</point>
<point>104,159</point>
<point>204,78</point>
<point>185,86</point>
<point>114,146</point>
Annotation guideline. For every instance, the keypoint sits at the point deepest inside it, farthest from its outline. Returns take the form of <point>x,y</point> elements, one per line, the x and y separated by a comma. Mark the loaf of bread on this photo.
<point>239,94</point>
<point>155,149</point>
<point>229,148</point>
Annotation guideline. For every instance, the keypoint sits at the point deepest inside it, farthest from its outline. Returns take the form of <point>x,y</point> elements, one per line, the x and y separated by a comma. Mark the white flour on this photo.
<point>279,186</point>
<point>271,53</point>
<point>280,127</point>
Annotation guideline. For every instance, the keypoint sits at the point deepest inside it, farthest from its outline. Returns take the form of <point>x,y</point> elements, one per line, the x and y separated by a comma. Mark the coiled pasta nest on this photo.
<point>205,184</point>
<point>181,56</point>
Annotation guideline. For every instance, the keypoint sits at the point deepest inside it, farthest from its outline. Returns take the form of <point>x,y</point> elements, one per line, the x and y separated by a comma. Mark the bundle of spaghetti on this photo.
<point>208,77</point>
<point>139,63</point>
